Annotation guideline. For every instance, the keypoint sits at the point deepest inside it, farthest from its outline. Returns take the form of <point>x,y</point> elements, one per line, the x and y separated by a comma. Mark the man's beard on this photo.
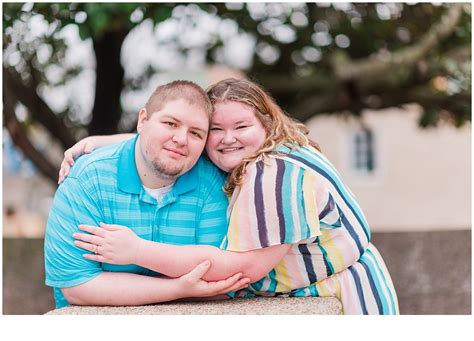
<point>164,171</point>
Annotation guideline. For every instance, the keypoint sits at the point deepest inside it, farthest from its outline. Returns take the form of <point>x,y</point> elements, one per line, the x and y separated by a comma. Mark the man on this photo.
<point>157,185</point>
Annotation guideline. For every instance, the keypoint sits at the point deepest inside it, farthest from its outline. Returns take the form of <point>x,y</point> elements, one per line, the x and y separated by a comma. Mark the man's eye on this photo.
<point>196,134</point>
<point>171,124</point>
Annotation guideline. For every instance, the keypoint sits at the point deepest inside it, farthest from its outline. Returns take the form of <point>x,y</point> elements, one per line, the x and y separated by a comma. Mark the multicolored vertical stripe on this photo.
<point>297,197</point>
<point>365,288</point>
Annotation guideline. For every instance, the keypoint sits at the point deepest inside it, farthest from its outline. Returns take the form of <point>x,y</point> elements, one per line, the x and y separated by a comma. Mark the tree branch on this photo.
<point>379,66</point>
<point>425,95</point>
<point>37,108</point>
<point>20,137</point>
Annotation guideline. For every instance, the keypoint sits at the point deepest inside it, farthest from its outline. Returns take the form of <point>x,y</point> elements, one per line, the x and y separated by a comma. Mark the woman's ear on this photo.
<point>142,118</point>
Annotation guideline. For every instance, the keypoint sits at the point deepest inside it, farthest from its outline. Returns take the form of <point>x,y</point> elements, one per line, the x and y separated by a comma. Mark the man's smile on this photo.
<point>174,151</point>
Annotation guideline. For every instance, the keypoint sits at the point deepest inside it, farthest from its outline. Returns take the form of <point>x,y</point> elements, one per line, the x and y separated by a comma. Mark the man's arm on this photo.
<point>120,245</point>
<point>120,289</point>
<point>123,289</point>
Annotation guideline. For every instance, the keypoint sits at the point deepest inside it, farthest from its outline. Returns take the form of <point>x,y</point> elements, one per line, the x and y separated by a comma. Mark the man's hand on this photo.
<point>192,284</point>
<point>121,288</point>
<point>113,244</point>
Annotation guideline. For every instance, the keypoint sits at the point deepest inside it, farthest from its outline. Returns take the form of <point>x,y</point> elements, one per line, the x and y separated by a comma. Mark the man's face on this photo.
<point>173,138</point>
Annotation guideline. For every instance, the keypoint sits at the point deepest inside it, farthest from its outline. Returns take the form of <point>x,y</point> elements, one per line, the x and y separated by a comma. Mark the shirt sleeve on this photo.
<point>65,265</point>
<point>277,203</point>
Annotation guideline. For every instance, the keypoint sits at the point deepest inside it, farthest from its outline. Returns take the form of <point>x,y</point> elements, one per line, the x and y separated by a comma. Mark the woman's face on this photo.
<point>235,134</point>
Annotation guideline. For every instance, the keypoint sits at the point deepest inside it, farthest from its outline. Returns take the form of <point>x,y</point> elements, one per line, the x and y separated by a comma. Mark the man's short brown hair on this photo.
<point>189,91</point>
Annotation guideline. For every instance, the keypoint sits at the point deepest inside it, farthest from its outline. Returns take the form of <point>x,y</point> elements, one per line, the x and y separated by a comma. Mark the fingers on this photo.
<point>60,176</point>
<point>86,246</point>
<point>74,152</point>
<point>88,148</point>
<point>111,227</point>
<point>93,230</point>
<point>96,258</point>
<point>240,284</point>
<point>80,148</point>
<point>225,285</point>
<point>66,165</point>
<point>63,171</point>
<point>69,157</point>
<point>91,239</point>
<point>199,271</point>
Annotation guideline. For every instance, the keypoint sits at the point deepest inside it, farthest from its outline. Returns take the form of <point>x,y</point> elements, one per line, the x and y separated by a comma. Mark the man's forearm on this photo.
<point>118,289</point>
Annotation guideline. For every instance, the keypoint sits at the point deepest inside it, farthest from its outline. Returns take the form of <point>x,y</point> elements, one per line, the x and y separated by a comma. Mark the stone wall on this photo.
<point>431,272</point>
<point>24,291</point>
<point>244,306</point>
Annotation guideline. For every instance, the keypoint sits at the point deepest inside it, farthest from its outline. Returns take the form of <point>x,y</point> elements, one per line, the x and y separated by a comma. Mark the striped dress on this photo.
<point>297,197</point>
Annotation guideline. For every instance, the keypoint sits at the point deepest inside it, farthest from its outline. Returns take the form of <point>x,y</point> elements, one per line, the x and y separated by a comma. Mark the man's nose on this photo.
<point>229,138</point>
<point>180,137</point>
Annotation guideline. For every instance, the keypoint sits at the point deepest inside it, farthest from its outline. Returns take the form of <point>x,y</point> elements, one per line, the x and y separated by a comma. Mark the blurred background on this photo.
<point>384,88</point>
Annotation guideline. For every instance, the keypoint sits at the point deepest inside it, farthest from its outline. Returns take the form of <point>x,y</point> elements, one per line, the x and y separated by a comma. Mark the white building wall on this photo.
<point>423,177</point>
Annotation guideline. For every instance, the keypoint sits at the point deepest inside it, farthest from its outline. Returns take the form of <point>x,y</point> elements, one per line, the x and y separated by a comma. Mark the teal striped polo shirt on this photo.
<point>104,186</point>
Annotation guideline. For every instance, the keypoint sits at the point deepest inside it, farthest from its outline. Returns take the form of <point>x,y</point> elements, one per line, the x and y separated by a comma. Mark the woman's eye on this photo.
<point>241,127</point>
<point>171,124</point>
<point>215,129</point>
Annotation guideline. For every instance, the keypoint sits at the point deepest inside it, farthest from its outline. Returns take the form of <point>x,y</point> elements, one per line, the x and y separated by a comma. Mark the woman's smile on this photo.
<point>229,150</point>
<point>235,134</point>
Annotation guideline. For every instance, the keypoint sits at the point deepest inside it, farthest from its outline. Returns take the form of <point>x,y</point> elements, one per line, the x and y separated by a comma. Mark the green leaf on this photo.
<point>84,32</point>
<point>162,13</point>
<point>99,21</point>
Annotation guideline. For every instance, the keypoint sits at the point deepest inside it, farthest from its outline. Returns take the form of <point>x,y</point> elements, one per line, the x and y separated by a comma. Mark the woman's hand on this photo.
<point>113,244</point>
<point>192,284</point>
<point>84,146</point>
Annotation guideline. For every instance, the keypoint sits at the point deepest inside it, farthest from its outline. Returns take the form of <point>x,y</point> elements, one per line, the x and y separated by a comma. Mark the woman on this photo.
<point>294,228</point>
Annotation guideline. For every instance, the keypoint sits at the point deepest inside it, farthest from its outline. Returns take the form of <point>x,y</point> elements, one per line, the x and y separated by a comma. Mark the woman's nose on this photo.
<point>228,138</point>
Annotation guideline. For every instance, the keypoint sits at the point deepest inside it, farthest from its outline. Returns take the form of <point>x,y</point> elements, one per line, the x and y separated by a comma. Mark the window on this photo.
<point>363,156</point>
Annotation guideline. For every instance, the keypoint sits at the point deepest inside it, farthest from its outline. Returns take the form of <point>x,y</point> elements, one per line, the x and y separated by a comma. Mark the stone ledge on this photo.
<point>249,306</point>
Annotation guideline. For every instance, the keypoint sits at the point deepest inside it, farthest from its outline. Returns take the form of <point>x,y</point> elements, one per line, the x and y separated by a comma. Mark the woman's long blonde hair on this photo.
<point>279,127</point>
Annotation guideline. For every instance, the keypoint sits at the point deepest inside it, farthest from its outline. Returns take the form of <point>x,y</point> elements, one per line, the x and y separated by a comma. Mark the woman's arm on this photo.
<point>116,244</point>
<point>174,260</point>
<point>85,146</point>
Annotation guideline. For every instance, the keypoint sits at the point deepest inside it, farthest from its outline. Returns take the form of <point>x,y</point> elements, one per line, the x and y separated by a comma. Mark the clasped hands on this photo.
<point>115,244</point>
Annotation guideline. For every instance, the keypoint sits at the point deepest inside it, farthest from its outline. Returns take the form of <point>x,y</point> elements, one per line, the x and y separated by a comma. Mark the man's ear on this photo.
<point>142,118</point>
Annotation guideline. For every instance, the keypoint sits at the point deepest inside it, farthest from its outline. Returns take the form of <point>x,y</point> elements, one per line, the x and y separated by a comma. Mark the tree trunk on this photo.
<point>107,111</point>
<point>37,107</point>
<point>20,138</point>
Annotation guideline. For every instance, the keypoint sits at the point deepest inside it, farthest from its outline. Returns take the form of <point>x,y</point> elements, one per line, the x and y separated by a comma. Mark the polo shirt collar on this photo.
<point>129,180</point>
<point>187,182</point>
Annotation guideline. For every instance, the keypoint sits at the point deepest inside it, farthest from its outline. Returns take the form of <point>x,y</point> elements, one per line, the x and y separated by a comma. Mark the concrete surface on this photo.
<point>250,306</point>
<point>431,272</point>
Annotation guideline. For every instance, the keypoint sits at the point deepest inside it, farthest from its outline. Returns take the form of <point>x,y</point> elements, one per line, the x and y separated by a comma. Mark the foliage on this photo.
<point>314,58</point>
